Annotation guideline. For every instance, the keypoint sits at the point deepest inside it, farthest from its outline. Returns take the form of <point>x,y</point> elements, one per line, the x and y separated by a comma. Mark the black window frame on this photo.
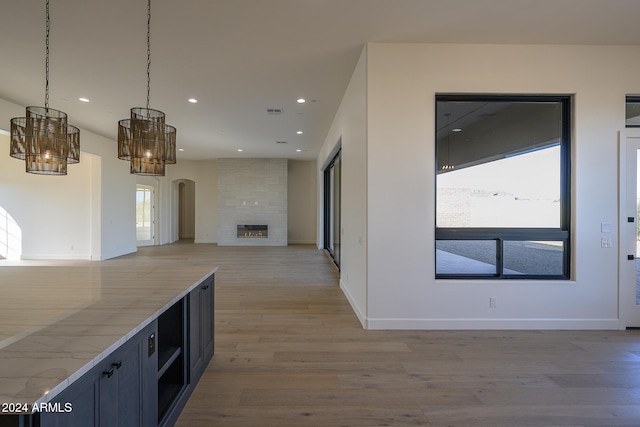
<point>329,194</point>
<point>631,99</point>
<point>506,234</point>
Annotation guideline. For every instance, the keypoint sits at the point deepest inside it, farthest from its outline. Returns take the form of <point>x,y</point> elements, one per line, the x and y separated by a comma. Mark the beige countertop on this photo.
<point>57,320</point>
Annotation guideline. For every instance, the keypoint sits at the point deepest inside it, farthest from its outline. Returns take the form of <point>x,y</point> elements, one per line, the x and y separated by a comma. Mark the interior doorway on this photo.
<point>145,217</point>
<point>186,209</point>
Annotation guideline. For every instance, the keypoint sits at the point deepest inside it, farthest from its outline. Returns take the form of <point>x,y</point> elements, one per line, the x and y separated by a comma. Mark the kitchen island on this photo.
<point>119,342</point>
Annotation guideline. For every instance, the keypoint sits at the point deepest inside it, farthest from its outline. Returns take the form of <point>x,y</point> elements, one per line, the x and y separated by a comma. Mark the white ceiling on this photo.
<point>241,57</point>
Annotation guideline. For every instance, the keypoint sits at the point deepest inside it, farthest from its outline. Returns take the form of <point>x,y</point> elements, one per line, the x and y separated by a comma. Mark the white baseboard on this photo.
<point>302,242</point>
<point>493,324</point>
<point>359,313</point>
<point>56,257</point>
<point>204,241</point>
<point>478,324</point>
<point>127,251</point>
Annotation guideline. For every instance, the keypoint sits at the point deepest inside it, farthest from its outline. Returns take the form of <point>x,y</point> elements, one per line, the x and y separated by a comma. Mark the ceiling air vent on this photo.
<point>274,111</point>
<point>281,142</point>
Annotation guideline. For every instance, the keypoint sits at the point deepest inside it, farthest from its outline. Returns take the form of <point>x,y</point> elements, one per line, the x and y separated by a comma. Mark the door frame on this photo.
<point>332,222</point>
<point>628,309</point>
<point>152,213</point>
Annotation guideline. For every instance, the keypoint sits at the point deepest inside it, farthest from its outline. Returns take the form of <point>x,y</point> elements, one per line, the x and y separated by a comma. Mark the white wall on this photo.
<point>207,202</point>
<point>302,202</point>
<point>349,127</point>
<point>386,125</point>
<point>117,189</point>
<point>79,216</point>
<point>205,176</point>
<point>187,209</point>
<point>53,212</point>
<point>402,82</point>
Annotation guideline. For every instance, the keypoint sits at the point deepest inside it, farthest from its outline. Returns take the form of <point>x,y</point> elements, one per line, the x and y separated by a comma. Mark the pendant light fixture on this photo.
<point>144,139</point>
<point>43,138</point>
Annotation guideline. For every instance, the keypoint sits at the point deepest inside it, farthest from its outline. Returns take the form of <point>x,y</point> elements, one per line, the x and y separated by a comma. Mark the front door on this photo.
<point>144,216</point>
<point>630,229</point>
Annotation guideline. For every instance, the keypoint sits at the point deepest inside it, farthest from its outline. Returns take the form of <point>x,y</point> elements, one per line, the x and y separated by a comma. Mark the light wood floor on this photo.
<point>290,352</point>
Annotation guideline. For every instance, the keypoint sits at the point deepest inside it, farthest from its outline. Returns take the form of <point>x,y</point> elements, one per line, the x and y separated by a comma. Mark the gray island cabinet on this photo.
<point>143,381</point>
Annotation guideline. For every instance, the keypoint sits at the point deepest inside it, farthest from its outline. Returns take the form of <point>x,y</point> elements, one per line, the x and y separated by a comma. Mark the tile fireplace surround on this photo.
<point>252,191</point>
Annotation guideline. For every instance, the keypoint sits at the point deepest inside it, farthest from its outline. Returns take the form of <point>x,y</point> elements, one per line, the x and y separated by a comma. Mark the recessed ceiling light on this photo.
<point>193,100</point>
<point>180,149</point>
<point>298,150</point>
<point>240,149</point>
<point>456,130</point>
<point>84,99</point>
<point>299,132</point>
<point>301,101</point>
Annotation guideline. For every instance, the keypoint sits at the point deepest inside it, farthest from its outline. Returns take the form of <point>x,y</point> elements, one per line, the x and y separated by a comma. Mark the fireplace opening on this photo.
<point>258,231</point>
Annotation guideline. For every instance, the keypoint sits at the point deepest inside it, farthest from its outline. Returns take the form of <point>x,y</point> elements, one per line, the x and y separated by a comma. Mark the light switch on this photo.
<point>605,227</point>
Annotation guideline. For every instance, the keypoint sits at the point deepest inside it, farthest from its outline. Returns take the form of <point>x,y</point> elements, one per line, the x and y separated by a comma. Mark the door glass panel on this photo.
<point>144,230</point>
<point>337,182</point>
<point>637,245</point>
<point>332,209</point>
<point>629,234</point>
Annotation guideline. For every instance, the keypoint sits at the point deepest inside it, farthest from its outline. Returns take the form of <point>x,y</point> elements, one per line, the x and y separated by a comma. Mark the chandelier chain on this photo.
<point>46,71</point>
<point>148,52</point>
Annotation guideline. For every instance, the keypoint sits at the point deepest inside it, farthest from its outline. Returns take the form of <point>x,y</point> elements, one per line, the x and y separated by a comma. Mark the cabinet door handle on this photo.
<point>117,365</point>
<point>108,373</point>
<point>204,288</point>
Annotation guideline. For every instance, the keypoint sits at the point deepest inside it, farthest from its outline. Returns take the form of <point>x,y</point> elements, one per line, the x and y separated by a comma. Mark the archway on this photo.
<point>185,209</point>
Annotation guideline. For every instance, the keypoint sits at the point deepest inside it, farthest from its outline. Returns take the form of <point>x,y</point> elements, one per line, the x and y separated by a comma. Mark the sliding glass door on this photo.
<point>332,183</point>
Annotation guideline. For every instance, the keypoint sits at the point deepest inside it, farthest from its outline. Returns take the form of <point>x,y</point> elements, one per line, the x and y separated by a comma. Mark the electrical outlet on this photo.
<point>492,302</point>
<point>605,242</point>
